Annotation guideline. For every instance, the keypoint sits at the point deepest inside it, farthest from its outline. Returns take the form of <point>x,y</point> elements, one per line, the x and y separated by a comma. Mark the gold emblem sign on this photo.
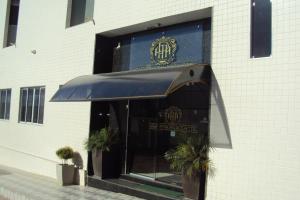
<point>163,51</point>
<point>173,114</point>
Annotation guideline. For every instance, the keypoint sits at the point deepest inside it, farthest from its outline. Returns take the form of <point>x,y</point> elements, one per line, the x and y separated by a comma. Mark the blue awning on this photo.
<point>135,84</point>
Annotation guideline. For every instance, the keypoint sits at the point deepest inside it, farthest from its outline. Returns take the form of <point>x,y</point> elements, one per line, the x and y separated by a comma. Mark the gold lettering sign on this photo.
<point>179,128</point>
<point>163,51</point>
<point>173,114</point>
<point>172,122</point>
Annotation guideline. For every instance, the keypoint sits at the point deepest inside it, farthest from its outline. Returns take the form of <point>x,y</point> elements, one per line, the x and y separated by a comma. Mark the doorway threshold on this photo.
<point>138,189</point>
<point>152,182</point>
<point>144,177</point>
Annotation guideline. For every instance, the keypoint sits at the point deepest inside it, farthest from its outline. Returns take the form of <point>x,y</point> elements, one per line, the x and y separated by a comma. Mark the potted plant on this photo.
<point>104,155</point>
<point>64,171</point>
<point>190,157</point>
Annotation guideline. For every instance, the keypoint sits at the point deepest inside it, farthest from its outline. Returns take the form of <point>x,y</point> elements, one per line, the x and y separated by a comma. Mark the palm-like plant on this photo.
<point>101,140</point>
<point>191,155</point>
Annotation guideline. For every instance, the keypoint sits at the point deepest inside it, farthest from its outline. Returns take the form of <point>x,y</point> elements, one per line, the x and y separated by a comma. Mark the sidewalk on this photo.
<point>19,185</point>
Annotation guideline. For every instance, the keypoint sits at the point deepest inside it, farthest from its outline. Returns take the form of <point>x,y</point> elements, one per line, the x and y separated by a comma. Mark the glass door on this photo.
<point>166,140</point>
<point>150,136</point>
<point>158,125</point>
<point>142,140</point>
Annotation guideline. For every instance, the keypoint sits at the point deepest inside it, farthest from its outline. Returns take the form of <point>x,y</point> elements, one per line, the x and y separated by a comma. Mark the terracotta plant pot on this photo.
<point>65,174</point>
<point>194,186</point>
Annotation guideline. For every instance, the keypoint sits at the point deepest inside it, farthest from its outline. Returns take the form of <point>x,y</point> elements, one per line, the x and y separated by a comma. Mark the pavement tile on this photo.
<point>19,185</point>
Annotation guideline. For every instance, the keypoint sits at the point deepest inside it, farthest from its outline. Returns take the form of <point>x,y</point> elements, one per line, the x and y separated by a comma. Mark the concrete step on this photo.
<point>134,188</point>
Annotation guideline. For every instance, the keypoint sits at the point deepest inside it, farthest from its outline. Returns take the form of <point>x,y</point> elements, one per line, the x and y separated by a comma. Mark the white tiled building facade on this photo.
<point>261,95</point>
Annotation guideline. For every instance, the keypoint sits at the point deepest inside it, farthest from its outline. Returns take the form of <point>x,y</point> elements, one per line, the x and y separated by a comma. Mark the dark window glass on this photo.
<point>81,11</point>
<point>13,15</point>
<point>23,104</point>
<point>36,105</point>
<point>15,2</point>
<point>77,12</point>
<point>7,112</point>
<point>41,109</point>
<point>11,35</point>
<point>5,96</point>
<point>29,105</point>
<point>261,24</point>
<point>13,22</point>
<point>32,105</point>
<point>2,103</point>
<point>89,10</point>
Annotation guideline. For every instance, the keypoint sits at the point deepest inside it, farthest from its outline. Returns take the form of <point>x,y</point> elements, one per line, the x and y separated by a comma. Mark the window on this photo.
<point>5,96</point>
<point>12,23</point>
<point>79,11</point>
<point>32,105</point>
<point>261,24</point>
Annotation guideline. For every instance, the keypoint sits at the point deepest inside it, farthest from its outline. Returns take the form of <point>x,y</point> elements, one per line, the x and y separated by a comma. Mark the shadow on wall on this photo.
<point>219,128</point>
<point>78,162</point>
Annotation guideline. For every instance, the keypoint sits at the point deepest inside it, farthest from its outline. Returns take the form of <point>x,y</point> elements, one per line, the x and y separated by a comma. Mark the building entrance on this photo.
<point>147,144</point>
<point>158,125</point>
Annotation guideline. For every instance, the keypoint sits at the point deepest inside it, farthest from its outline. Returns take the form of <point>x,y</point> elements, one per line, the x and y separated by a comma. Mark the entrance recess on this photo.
<point>158,125</point>
<point>148,142</point>
<point>163,105</point>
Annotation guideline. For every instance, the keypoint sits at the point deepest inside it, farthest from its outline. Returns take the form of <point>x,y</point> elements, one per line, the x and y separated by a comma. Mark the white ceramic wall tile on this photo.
<point>261,96</point>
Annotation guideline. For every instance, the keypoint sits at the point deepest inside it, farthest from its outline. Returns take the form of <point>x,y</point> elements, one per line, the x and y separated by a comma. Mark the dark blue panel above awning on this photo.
<point>136,84</point>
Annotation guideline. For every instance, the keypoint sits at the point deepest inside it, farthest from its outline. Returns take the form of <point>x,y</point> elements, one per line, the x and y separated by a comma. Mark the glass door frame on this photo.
<point>126,150</point>
<point>155,148</point>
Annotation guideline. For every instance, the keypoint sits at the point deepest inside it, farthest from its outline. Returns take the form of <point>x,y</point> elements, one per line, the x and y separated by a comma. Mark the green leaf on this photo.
<point>101,140</point>
<point>65,153</point>
<point>191,154</point>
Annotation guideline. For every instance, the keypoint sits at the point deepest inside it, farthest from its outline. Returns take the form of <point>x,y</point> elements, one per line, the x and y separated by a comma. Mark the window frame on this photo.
<point>6,116</point>
<point>31,121</point>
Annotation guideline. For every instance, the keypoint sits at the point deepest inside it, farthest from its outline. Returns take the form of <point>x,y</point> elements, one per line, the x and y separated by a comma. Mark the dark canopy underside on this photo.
<point>136,84</point>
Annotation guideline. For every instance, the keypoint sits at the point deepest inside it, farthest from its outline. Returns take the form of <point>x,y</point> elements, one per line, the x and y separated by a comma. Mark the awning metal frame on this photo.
<point>160,82</point>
